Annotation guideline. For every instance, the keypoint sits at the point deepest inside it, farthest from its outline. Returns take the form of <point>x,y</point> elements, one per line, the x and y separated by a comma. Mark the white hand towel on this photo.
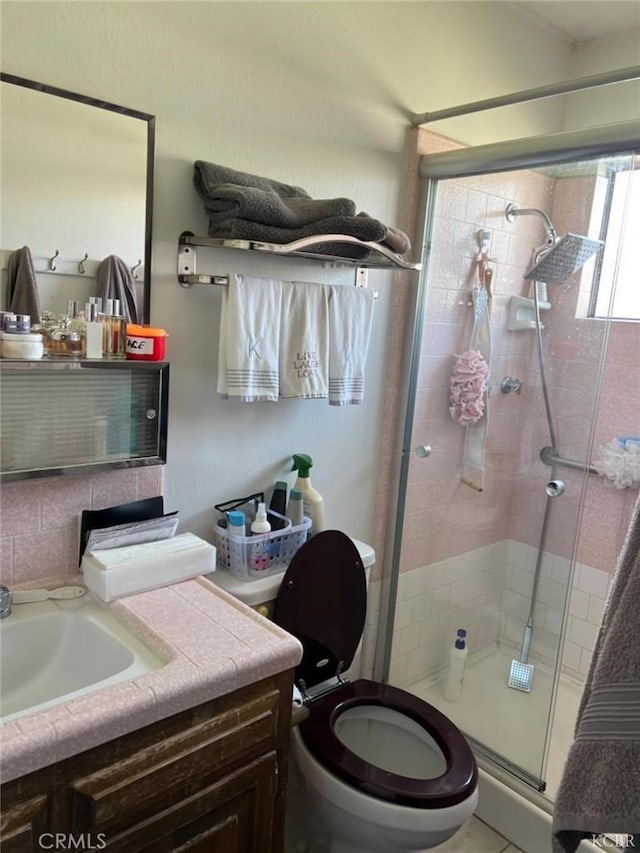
<point>249,340</point>
<point>350,316</point>
<point>304,340</point>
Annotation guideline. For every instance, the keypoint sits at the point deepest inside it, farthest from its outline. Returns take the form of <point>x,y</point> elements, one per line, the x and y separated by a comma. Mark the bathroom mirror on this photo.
<point>77,186</point>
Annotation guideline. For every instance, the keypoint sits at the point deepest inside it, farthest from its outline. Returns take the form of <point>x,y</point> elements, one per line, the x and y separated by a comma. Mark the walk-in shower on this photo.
<point>543,533</point>
<point>554,262</point>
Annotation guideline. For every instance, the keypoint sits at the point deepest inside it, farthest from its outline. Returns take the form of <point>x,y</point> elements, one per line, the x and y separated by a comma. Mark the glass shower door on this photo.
<point>490,530</point>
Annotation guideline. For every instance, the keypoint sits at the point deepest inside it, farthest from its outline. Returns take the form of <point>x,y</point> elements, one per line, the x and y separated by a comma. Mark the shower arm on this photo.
<point>513,210</point>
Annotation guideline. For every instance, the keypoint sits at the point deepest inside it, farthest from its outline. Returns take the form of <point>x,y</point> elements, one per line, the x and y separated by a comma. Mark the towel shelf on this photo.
<point>382,257</point>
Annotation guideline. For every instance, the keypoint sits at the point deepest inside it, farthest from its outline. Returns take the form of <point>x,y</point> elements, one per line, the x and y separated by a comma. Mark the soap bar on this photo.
<point>115,572</point>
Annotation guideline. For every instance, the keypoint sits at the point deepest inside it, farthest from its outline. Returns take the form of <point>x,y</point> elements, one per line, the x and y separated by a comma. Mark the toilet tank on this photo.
<point>261,593</point>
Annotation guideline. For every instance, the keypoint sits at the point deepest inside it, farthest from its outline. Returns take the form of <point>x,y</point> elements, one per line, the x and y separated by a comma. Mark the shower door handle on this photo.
<point>423,450</point>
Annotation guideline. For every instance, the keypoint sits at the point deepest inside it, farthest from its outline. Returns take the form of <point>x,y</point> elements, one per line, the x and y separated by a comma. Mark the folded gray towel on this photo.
<point>364,228</point>
<point>599,788</point>
<point>115,281</point>
<point>269,208</point>
<point>285,210</point>
<point>22,286</point>
<point>208,176</point>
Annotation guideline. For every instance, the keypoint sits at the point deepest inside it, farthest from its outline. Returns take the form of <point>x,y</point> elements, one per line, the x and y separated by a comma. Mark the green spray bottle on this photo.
<point>313,500</point>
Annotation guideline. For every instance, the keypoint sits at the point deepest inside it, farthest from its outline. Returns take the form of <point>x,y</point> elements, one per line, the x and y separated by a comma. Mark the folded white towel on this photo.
<point>350,316</point>
<point>249,341</point>
<point>304,340</point>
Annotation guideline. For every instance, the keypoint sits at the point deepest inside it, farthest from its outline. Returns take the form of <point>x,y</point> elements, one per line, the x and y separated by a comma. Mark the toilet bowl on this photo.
<point>384,771</point>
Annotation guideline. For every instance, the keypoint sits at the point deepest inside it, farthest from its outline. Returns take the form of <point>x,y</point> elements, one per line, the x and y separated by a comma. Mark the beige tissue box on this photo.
<point>123,571</point>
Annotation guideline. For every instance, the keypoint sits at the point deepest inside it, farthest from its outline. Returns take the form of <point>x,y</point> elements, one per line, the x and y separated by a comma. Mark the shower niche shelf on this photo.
<point>379,257</point>
<point>522,313</point>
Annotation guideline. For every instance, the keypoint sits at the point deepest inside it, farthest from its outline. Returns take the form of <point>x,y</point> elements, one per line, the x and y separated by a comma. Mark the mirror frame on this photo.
<point>126,111</point>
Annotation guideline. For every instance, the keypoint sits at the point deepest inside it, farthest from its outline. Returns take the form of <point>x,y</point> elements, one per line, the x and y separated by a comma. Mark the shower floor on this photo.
<point>511,722</point>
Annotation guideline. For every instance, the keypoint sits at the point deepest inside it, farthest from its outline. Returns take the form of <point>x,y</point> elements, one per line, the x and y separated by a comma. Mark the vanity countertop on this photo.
<point>213,645</point>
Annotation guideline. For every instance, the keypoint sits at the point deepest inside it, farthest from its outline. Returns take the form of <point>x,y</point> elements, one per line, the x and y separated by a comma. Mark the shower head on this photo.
<point>563,259</point>
<point>560,257</point>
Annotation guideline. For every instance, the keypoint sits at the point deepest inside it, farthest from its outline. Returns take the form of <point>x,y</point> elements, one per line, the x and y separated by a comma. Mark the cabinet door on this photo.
<point>233,815</point>
<point>23,823</point>
<point>175,768</point>
<point>92,416</point>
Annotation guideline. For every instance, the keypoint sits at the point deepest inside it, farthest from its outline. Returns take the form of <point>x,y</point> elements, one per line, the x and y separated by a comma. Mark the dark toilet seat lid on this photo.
<point>322,601</point>
<point>456,784</point>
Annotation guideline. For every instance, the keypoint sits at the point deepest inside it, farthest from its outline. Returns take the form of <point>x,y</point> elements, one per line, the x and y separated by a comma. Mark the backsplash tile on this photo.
<point>41,519</point>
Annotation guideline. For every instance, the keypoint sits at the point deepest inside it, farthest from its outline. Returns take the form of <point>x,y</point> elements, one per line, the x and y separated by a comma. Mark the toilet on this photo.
<point>382,771</point>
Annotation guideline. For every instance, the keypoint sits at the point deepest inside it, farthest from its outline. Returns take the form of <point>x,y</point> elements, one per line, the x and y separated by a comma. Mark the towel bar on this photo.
<point>383,258</point>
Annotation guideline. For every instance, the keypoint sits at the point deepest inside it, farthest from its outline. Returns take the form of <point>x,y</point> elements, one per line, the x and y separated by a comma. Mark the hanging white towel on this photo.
<point>475,441</point>
<point>350,316</point>
<point>304,340</point>
<point>249,341</point>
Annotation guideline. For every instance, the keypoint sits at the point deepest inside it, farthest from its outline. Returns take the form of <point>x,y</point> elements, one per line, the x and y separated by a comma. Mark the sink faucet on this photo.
<point>5,602</point>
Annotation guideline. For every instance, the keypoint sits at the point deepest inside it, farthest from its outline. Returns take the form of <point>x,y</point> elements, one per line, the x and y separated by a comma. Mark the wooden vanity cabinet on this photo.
<point>208,780</point>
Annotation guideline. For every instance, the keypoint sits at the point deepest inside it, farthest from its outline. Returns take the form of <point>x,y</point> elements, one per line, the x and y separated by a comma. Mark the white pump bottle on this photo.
<point>457,661</point>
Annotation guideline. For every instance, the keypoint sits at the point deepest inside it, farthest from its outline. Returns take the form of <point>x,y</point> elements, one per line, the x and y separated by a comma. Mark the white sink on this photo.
<point>55,651</point>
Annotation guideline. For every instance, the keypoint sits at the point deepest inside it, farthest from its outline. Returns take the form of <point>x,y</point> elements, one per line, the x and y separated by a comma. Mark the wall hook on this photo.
<point>484,240</point>
<point>52,265</point>
<point>81,268</point>
<point>135,267</point>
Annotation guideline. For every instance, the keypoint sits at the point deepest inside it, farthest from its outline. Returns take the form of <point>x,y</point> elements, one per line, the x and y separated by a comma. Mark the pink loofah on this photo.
<point>468,387</point>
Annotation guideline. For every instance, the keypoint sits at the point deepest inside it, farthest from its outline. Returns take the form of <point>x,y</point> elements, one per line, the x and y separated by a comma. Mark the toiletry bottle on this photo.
<point>278,504</point>
<point>104,316</point>
<point>455,674</point>
<point>313,500</point>
<point>63,341</point>
<point>295,507</point>
<point>117,332</point>
<point>92,332</point>
<point>260,523</point>
<point>236,523</point>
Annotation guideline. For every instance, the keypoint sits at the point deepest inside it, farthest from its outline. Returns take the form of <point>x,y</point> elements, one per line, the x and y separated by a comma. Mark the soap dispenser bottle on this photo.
<point>313,500</point>
<point>457,660</point>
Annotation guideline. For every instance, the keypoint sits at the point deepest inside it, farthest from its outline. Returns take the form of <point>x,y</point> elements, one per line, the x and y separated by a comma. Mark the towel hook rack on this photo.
<point>81,268</point>
<point>135,267</point>
<point>51,262</point>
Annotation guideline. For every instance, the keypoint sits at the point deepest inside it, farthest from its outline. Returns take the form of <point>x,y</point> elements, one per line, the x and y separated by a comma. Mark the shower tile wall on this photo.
<point>487,591</point>
<point>467,557</point>
<point>41,519</point>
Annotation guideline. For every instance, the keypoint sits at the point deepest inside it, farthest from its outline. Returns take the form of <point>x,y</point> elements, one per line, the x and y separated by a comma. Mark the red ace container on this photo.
<point>145,343</point>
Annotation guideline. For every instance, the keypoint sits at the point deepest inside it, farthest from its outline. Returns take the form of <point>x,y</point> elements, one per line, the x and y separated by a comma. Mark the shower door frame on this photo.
<point>527,153</point>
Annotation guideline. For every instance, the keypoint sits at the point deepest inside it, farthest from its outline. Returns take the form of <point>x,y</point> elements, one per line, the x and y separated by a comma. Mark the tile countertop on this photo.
<point>213,645</point>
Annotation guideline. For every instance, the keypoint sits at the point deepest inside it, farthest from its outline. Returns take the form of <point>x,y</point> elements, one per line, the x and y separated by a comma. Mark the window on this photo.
<point>618,264</point>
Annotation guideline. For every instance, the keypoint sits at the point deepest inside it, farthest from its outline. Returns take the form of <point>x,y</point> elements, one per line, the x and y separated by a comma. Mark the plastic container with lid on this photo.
<point>21,346</point>
<point>145,343</point>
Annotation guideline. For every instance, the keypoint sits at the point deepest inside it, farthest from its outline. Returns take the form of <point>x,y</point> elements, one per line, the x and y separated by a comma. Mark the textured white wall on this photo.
<point>609,104</point>
<point>315,94</point>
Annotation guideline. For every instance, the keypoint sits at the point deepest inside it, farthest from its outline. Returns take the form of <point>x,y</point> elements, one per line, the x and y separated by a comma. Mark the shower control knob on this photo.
<point>423,450</point>
<point>510,384</point>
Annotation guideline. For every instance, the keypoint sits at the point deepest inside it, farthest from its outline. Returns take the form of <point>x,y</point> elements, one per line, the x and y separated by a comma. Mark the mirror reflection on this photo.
<point>76,189</point>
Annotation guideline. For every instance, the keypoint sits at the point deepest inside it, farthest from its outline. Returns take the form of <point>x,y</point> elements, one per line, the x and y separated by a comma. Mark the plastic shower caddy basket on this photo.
<point>251,557</point>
